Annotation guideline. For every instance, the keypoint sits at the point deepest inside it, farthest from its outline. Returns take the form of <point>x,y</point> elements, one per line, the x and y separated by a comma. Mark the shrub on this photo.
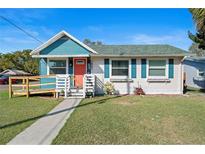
<point>109,88</point>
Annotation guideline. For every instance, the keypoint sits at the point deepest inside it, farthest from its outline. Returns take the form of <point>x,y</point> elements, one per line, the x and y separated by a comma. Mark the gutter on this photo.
<point>162,55</point>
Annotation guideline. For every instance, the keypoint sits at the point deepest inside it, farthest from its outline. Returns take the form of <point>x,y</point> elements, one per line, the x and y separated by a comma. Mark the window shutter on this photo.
<point>171,68</point>
<point>143,68</point>
<point>106,68</point>
<point>133,68</point>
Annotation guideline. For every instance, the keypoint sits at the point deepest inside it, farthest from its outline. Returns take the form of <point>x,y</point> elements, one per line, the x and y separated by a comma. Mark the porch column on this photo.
<point>71,71</point>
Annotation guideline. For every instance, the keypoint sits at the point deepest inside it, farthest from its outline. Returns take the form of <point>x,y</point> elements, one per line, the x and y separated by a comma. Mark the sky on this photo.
<point>111,26</point>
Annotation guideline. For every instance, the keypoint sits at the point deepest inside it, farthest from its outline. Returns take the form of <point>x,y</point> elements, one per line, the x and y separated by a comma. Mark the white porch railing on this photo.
<point>63,85</point>
<point>89,84</point>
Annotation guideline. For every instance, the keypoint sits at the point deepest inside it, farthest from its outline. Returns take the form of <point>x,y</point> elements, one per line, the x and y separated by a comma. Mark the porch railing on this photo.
<point>89,84</point>
<point>28,85</point>
<point>63,84</point>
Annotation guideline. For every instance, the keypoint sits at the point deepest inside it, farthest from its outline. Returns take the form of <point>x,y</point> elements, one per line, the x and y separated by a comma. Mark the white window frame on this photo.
<point>120,77</point>
<point>200,71</point>
<point>80,62</point>
<point>158,77</point>
<point>48,67</point>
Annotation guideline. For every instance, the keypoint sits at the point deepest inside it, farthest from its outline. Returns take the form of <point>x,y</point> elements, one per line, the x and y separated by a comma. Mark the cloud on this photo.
<point>150,39</point>
<point>178,38</point>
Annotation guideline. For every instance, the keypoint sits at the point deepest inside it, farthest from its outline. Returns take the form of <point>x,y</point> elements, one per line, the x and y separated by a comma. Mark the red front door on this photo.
<point>79,71</point>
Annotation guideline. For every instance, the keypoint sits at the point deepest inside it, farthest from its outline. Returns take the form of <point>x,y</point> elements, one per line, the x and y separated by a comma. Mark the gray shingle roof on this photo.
<point>138,50</point>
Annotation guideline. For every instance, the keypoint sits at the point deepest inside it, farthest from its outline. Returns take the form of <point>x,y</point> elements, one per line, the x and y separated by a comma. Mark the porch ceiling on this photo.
<point>60,56</point>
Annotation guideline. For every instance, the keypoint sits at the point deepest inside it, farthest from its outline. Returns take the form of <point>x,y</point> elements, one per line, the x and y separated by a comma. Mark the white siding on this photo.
<point>175,86</point>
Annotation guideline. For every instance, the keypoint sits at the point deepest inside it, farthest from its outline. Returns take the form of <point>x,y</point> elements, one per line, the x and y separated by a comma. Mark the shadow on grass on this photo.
<point>100,101</point>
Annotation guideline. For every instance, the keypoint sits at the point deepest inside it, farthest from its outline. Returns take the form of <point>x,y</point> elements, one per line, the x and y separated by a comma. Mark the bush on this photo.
<point>109,88</point>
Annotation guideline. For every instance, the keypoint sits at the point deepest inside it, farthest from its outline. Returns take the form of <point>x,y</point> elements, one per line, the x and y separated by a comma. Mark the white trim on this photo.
<point>120,77</point>
<point>158,77</point>
<point>80,62</point>
<point>200,71</point>
<point>55,38</point>
<point>48,68</point>
<point>58,56</point>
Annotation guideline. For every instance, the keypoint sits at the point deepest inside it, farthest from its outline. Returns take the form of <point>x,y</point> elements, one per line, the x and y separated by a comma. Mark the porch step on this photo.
<point>75,90</point>
<point>76,94</point>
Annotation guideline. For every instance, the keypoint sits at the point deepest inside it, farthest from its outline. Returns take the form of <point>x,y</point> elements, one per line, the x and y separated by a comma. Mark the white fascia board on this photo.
<point>55,38</point>
<point>58,56</point>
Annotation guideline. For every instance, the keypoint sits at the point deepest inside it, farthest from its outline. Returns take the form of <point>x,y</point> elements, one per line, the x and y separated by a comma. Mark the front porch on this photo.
<point>63,84</point>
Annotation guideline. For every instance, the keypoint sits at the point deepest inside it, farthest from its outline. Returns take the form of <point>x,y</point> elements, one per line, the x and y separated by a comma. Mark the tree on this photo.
<point>195,49</point>
<point>20,60</point>
<point>198,15</point>
<point>89,42</point>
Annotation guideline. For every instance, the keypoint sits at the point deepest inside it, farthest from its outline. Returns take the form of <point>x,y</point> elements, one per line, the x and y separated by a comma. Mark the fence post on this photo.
<point>23,83</point>
<point>27,87</point>
<point>10,88</point>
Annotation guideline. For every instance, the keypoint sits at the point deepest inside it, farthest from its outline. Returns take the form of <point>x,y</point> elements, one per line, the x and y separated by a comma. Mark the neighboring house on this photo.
<point>194,68</point>
<point>13,72</point>
<point>155,68</point>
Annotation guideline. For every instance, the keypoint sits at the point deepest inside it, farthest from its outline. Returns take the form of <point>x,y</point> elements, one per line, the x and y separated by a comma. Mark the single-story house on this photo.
<point>157,69</point>
<point>194,68</point>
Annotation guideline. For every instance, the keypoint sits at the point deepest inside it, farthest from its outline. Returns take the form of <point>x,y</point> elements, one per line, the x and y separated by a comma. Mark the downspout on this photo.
<point>182,75</point>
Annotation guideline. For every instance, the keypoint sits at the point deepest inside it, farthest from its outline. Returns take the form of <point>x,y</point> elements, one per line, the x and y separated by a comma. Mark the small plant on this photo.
<point>62,92</point>
<point>109,88</point>
<point>139,91</point>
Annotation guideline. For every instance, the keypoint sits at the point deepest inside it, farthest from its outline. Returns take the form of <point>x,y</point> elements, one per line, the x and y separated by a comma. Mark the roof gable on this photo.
<point>55,39</point>
<point>64,46</point>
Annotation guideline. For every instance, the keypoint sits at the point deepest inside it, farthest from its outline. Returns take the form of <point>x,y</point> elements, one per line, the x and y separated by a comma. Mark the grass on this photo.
<point>18,113</point>
<point>191,90</point>
<point>136,120</point>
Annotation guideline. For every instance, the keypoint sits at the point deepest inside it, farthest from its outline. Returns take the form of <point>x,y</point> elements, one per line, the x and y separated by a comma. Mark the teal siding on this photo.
<point>64,46</point>
<point>133,68</point>
<point>143,68</point>
<point>171,68</point>
<point>43,71</point>
<point>106,68</point>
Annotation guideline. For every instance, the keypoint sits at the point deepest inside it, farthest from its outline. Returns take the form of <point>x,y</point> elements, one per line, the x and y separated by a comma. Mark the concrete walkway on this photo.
<point>44,130</point>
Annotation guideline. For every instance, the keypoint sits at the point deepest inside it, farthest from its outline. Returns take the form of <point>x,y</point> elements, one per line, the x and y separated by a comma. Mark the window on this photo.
<point>120,67</point>
<point>157,68</point>
<point>200,73</point>
<point>57,66</point>
<point>80,62</point>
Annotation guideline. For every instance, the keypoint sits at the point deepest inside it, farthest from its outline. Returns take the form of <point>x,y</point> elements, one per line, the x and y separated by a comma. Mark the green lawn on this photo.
<point>136,120</point>
<point>18,113</point>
